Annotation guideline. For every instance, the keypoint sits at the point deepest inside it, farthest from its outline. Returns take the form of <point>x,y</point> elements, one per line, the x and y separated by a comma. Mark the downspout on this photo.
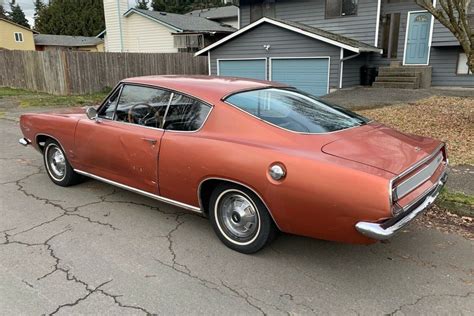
<point>377,23</point>
<point>341,65</point>
<point>119,15</point>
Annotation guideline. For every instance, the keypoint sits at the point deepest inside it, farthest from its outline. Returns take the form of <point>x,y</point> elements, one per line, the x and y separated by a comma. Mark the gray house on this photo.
<point>320,45</point>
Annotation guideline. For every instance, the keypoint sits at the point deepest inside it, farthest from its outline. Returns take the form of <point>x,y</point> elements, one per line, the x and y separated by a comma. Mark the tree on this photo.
<point>3,13</point>
<point>142,4</point>
<point>17,15</point>
<point>158,5</point>
<point>454,15</point>
<point>183,6</point>
<point>72,17</point>
<point>39,16</point>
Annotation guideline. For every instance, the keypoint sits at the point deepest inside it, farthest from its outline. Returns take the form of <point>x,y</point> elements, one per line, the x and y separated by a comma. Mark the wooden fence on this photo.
<point>65,72</point>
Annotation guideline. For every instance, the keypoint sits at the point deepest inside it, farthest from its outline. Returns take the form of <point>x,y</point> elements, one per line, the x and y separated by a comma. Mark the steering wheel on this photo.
<point>133,118</point>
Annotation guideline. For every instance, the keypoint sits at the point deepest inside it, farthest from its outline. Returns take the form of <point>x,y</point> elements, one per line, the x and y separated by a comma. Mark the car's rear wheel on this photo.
<point>240,219</point>
<point>58,168</point>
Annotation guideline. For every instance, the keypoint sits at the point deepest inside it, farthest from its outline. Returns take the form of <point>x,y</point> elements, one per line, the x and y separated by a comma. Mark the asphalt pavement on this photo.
<point>96,249</point>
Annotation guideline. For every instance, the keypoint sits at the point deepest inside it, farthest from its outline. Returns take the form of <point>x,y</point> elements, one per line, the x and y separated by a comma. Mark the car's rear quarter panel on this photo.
<point>321,197</point>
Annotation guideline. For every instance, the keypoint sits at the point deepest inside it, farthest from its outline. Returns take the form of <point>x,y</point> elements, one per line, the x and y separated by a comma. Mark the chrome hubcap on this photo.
<point>56,162</point>
<point>238,215</point>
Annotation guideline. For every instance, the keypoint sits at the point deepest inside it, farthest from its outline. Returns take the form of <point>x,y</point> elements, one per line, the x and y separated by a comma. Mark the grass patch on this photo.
<point>450,119</point>
<point>60,101</point>
<point>11,92</point>
<point>457,197</point>
<point>39,99</point>
<point>456,202</point>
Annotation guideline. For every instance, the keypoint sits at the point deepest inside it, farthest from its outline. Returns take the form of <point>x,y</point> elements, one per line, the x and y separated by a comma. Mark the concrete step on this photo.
<point>399,72</point>
<point>387,78</point>
<point>397,85</point>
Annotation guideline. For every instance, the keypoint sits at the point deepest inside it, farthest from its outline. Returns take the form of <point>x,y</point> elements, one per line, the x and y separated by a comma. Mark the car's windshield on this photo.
<point>295,110</point>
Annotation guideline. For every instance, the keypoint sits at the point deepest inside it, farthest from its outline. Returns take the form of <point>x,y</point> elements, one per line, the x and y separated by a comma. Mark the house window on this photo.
<point>18,37</point>
<point>261,9</point>
<point>462,68</point>
<point>338,8</point>
<point>188,42</point>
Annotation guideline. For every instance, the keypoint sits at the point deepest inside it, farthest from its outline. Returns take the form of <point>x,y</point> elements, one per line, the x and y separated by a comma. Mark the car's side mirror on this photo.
<point>91,113</point>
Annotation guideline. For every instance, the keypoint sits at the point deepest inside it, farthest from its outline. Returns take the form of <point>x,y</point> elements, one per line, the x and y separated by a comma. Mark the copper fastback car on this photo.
<point>254,156</point>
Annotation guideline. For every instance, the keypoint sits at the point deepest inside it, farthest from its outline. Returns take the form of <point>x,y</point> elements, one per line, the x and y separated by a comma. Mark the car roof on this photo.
<point>207,88</point>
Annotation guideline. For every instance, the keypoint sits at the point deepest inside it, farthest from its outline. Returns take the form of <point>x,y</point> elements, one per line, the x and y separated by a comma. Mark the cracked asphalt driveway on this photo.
<point>96,249</point>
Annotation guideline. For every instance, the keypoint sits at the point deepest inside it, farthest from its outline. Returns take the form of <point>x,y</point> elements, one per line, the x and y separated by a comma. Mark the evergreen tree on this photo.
<point>72,17</point>
<point>183,6</point>
<point>39,15</point>
<point>142,4</point>
<point>17,15</point>
<point>3,13</point>
<point>158,5</point>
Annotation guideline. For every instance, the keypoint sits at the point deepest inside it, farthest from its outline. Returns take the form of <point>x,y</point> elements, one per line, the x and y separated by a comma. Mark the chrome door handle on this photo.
<point>150,140</point>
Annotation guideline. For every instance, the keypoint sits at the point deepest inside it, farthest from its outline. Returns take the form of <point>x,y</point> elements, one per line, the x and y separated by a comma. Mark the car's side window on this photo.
<point>185,114</point>
<point>108,110</point>
<point>144,106</point>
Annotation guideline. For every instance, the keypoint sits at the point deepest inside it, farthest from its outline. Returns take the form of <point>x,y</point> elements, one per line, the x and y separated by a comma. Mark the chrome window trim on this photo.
<point>224,99</point>
<point>431,168</point>
<point>239,183</point>
<point>173,92</point>
<point>117,86</point>
<point>141,192</point>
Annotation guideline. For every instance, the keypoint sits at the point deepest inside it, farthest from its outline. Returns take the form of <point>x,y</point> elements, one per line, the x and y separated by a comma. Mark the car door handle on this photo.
<point>150,140</point>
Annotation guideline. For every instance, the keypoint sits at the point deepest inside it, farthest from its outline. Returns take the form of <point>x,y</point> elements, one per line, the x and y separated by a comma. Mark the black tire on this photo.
<point>68,176</point>
<point>262,226</point>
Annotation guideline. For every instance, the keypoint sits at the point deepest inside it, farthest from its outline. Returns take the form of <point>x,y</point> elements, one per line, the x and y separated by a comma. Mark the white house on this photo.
<point>134,30</point>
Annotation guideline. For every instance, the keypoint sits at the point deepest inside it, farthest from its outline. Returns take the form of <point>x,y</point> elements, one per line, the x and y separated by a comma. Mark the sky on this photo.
<point>29,8</point>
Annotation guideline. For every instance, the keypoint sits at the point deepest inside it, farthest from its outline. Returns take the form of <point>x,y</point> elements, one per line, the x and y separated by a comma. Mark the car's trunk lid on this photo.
<point>383,148</point>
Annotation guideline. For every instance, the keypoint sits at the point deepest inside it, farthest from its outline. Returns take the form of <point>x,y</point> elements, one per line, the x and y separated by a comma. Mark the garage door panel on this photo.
<point>307,74</point>
<point>253,69</point>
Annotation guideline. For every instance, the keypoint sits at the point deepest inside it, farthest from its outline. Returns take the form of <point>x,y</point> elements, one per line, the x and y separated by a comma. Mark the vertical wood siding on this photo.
<point>63,72</point>
<point>284,43</point>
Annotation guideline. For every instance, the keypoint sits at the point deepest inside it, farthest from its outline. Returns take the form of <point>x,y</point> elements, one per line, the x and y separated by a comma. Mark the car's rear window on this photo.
<point>295,110</point>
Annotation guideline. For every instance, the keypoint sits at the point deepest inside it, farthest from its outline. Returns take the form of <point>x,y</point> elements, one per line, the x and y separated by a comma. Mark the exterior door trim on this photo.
<point>429,38</point>
<point>309,57</point>
<point>238,59</point>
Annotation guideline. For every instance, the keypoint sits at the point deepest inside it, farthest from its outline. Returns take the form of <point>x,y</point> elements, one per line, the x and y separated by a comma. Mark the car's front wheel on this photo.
<point>58,168</point>
<point>240,219</point>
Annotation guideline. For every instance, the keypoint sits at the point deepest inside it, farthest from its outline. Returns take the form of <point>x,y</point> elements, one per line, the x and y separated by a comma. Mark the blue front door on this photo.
<point>417,49</point>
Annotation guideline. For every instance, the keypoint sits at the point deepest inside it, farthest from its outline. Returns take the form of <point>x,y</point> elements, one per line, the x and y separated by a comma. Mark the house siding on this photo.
<point>146,36</point>
<point>442,36</point>
<point>7,37</point>
<point>113,11</point>
<point>444,61</point>
<point>312,12</point>
<point>351,70</point>
<point>284,43</point>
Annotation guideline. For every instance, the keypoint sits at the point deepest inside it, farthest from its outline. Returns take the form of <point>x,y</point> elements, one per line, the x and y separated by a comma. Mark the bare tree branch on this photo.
<point>454,15</point>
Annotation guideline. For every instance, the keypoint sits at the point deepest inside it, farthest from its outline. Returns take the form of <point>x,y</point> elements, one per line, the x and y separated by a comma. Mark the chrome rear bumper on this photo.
<point>24,141</point>
<point>380,231</point>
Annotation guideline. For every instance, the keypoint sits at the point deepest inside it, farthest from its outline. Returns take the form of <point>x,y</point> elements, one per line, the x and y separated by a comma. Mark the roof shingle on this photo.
<point>66,40</point>
<point>184,23</point>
